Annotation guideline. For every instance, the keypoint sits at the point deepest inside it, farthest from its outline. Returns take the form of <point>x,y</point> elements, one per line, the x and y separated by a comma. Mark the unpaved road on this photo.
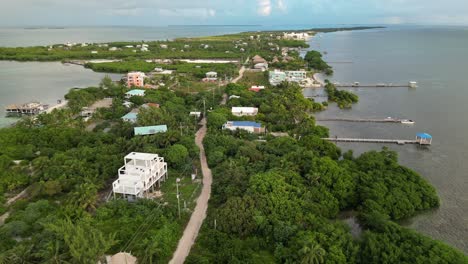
<point>199,214</point>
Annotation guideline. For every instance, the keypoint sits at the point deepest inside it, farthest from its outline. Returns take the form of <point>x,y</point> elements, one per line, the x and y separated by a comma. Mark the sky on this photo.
<point>230,12</point>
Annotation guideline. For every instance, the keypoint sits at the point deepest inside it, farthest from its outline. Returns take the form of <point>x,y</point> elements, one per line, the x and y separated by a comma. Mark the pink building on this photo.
<point>136,79</point>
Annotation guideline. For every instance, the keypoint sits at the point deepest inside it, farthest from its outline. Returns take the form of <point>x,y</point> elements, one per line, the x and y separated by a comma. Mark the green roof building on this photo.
<point>150,130</point>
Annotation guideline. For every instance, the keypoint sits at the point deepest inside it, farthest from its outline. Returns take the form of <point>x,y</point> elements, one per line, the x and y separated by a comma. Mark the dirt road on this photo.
<point>199,214</point>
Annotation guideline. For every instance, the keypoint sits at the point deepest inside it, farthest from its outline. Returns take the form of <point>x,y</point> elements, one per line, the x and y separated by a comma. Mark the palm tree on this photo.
<point>312,253</point>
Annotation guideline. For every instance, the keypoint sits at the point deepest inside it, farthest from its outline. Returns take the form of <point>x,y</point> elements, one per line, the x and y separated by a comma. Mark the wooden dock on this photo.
<point>377,85</point>
<point>32,108</point>
<point>369,140</point>
<point>362,120</point>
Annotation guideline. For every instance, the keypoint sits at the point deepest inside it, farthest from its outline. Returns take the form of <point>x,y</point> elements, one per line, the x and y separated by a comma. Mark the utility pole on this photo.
<point>178,195</point>
<point>204,108</point>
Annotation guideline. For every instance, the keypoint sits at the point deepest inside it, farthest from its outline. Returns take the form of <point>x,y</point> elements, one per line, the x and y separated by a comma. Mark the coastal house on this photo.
<point>139,175</point>
<point>94,52</point>
<point>249,126</point>
<point>136,79</point>
<point>293,35</point>
<point>211,77</point>
<point>256,88</point>
<point>135,92</point>
<point>257,59</point>
<point>276,77</point>
<point>113,49</point>
<point>149,130</point>
<point>244,111</point>
<point>234,97</point>
<point>163,46</point>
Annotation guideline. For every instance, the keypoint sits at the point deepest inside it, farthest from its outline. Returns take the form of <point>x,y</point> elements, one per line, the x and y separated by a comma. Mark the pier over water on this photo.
<point>421,139</point>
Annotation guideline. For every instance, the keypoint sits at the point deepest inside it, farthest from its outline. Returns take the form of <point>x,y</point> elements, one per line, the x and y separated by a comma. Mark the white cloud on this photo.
<point>264,7</point>
<point>188,12</point>
<point>281,5</point>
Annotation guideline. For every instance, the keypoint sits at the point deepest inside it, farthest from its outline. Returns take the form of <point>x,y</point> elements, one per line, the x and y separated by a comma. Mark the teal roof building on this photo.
<point>135,92</point>
<point>130,117</point>
<point>150,130</point>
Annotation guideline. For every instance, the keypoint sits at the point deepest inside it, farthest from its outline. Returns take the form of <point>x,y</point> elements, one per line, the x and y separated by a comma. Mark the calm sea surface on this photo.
<point>438,60</point>
<point>22,82</point>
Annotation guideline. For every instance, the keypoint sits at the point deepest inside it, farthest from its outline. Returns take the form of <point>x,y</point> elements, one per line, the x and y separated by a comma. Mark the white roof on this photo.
<point>141,156</point>
<point>244,109</point>
<point>211,73</point>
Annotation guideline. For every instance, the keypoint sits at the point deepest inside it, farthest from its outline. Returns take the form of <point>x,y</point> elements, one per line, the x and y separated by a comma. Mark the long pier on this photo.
<point>377,85</point>
<point>369,140</point>
<point>372,120</point>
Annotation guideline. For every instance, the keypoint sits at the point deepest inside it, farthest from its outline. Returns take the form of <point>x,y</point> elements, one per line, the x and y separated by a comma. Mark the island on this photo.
<point>212,135</point>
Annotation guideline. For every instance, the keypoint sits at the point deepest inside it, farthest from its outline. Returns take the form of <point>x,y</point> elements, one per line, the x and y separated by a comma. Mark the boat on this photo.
<point>407,122</point>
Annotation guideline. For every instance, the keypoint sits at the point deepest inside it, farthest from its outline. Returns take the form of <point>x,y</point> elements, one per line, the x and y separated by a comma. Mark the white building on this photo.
<point>261,66</point>
<point>293,35</point>
<point>244,111</point>
<point>211,77</point>
<point>249,126</point>
<point>163,46</point>
<point>139,175</point>
<point>197,114</point>
<point>276,76</point>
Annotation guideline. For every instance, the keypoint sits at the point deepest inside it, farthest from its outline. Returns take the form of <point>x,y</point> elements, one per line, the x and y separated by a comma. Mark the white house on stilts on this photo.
<point>139,175</point>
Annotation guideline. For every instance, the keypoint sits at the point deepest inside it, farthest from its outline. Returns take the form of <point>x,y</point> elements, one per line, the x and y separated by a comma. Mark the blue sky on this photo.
<point>263,12</point>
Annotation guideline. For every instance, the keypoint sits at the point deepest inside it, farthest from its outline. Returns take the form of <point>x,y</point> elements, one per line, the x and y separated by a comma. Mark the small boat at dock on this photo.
<point>407,121</point>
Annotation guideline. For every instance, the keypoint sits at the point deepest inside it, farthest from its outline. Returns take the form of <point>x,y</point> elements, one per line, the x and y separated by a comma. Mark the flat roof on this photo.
<point>136,92</point>
<point>149,130</point>
<point>141,156</point>
<point>246,124</point>
<point>131,115</point>
<point>244,109</point>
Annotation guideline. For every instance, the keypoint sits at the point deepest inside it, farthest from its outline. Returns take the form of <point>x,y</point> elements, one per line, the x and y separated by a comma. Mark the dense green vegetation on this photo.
<point>225,46</point>
<point>343,98</point>
<point>198,70</point>
<point>67,170</point>
<point>278,200</point>
<point>314,61</point>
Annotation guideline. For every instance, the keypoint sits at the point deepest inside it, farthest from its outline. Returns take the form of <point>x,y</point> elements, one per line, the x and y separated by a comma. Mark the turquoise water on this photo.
<point>21,82</point>
<point>437,58</point>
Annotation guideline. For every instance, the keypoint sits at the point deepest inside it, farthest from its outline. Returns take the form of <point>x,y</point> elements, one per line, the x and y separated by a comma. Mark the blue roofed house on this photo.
<point>131,117</point>
<point>149,130</point>
<point>135,92</point>
<point>252,127</point>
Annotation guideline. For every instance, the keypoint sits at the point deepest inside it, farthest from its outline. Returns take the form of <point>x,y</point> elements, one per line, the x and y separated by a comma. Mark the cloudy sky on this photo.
<point>222,12</point>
